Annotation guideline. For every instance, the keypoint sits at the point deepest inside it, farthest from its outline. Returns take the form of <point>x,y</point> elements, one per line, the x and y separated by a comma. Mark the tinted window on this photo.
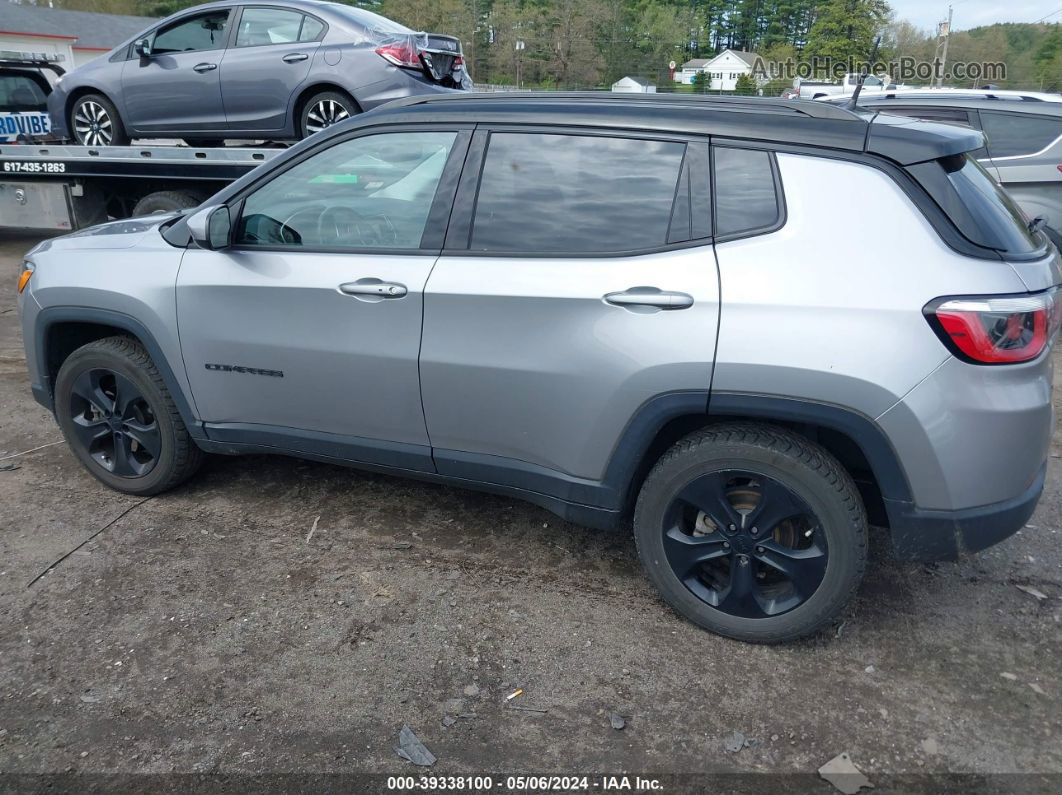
<point>542,193</point>
<point>311,29</point>
<point>369,192</point>
<point>268,26</point>
<point>19,93</point>
<point>994,213</point>
<point>745,197</point>
<point>1018,133</point>
<point>952,115</point>
<point>204,32</point>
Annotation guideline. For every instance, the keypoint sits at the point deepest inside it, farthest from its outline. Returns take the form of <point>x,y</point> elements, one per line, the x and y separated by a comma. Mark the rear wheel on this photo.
<point>120,420</point>
<point>752,532</point>
<point>94,121</point>
<point>324,109</point>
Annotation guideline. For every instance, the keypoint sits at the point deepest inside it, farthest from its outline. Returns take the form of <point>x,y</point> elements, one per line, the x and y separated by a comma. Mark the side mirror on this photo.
<point>143,48</point>
<point>211,227</point>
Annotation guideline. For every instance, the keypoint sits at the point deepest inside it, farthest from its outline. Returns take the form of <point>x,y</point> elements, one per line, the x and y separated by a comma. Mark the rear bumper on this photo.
<point>926,535</point>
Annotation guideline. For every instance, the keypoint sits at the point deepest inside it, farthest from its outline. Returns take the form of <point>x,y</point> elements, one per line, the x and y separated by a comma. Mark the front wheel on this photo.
<point>752,532</point>
<point>120,420</point>
<point>94,121</point>
<point>324,109</point>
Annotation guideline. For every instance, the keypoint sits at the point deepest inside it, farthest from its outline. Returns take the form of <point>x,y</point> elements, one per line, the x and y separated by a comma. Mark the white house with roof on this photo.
<point>634,85</point>
<point>77,36</point>
<point>724,68</point>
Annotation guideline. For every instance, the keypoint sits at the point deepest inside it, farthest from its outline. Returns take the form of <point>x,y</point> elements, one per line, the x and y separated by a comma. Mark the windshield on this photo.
<point>991,208</point>
<point>20,93</point>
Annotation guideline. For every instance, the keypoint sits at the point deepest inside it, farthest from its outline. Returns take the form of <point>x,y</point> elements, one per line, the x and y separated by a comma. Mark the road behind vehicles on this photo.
<point>1023,132</point>
<point>509,293</point>
<point>25,82</point>
<point>273,70</point>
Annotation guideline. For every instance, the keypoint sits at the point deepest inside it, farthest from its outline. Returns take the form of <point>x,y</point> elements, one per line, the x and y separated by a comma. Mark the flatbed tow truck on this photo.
<point>62,188</point>
<point>46,185</point>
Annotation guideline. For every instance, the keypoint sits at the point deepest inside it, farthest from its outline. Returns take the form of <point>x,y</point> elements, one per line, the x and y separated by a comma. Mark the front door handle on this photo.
<point>650,297</point>
<point>373,289</point>
<point>205,67</point>
<point>295,57</point>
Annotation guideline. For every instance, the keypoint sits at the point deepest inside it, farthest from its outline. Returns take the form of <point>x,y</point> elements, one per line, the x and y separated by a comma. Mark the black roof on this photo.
<point>801,122</point>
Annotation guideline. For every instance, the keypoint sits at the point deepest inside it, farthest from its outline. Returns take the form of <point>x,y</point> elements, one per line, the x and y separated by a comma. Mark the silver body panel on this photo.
<point>349,365</point>
<point>839,320</point>
<point>522,358</point>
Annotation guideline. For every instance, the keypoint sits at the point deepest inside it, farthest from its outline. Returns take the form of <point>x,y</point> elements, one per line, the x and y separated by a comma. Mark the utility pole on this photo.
<point>944,30</point>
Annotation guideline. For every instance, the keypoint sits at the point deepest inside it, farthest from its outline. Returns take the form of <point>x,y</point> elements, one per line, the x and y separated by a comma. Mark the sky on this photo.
<point>971,13</point>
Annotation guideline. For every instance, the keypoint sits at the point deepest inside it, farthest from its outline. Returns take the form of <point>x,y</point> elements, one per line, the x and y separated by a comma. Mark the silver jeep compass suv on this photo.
<point>614,308</point>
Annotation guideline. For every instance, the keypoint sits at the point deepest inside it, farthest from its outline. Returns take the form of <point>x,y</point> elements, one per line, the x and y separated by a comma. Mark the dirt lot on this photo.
<point>205,631</point>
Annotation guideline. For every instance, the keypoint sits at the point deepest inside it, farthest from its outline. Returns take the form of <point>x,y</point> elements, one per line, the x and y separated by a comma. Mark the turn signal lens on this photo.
<point>997,329</point>
<point>24,277</point>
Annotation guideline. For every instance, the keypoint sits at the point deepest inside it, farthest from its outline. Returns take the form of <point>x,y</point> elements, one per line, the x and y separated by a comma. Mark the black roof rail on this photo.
<point>809,108</point>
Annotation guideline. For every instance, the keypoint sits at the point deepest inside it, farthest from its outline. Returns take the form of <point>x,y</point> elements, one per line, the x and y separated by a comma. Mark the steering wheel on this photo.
<point>343,224</point>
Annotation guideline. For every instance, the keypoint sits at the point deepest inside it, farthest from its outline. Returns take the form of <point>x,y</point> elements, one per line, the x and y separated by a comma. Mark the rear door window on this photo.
<point>542,193</point>
<point>746,196</point>
<point>1016,134</point>
<point>259,26</point>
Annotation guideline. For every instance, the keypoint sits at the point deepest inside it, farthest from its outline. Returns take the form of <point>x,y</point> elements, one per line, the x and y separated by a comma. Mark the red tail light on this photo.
<point>997,329</point>
<point>404,54</point>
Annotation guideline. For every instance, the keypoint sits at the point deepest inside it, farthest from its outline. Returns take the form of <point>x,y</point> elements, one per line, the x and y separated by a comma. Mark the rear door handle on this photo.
<point>373,289</point>
<point>205,67</point>
<point>295,57</point>
<point>650,296</point>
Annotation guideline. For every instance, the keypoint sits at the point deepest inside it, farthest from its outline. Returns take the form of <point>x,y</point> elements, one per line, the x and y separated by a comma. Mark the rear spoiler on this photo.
<point>908,141</point>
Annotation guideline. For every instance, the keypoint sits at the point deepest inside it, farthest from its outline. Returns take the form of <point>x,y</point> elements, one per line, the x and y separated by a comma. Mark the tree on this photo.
<point>746,85</point>
<point>575,61</point>
<point>846,29</point>
<point>702,81</point>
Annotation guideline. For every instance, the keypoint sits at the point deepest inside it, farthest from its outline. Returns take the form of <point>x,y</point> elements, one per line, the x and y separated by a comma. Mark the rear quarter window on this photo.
<point>542,193</point>
<point>746,192</point>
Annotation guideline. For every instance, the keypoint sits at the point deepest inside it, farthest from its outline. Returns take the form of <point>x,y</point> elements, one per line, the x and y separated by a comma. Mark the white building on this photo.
<point>634,85</point>
<point>78,36</point>
<point>724,69</point>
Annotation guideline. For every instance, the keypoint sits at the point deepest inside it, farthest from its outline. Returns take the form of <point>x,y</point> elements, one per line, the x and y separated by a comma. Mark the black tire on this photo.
<point>204,143</point>
<point>86,123</point>
<point>780,462</point>
<point>337,107</point>
<point>166,201</point>
<point>149,413</point>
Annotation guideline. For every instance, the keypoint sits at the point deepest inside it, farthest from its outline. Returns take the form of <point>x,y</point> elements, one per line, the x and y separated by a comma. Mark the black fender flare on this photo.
<point>52,316</point>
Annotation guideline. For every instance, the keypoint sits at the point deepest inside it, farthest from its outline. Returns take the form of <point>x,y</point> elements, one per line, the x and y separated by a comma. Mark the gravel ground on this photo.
<point>205,630</point>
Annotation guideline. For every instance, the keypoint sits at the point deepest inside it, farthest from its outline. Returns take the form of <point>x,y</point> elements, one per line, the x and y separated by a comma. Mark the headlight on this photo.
<point>24,276</point>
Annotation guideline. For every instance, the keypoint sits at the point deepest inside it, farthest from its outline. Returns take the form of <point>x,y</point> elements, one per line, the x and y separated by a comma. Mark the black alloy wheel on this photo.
<point>120,420</point>
<point>745,544</point>
<point>114,423</point>
<point>752,531</point>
